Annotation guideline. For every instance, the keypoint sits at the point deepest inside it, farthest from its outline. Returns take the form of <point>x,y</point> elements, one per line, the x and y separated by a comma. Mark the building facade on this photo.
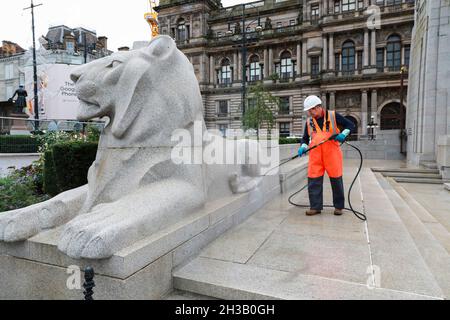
<point>428,118</point>
<point>10,75</point>
<point>348,52</point>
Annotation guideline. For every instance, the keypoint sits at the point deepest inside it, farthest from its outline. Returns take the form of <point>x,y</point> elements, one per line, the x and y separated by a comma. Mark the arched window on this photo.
<point>348,57</point>
<point>225,72</point>
<point>394,53</point>
<point>391,118</point>
<point>286,65</point>
<point>255,69</point>
<point>182,34</point>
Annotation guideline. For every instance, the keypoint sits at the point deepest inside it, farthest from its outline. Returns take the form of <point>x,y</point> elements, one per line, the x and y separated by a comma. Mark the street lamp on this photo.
<point>258,29</point>
<point>403,135</point>
<point>371,128</point>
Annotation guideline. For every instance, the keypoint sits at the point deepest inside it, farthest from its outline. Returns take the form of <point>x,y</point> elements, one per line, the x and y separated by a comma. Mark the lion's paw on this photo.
<point>22,224</point>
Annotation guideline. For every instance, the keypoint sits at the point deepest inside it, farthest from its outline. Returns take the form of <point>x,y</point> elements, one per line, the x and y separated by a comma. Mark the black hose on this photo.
<point>357,214</point>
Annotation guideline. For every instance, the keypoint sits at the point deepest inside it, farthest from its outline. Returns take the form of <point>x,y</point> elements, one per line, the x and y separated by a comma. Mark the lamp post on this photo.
<point>403,71</point>
<point>371,126</point>
<point>244,51</point>
<point>35,80</point>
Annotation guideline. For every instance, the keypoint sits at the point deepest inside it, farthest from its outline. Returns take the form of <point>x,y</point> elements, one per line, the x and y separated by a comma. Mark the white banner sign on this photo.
<point>56,92</point>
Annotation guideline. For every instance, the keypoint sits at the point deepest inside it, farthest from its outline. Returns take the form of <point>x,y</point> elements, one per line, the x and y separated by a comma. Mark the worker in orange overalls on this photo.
<point>320,126</point>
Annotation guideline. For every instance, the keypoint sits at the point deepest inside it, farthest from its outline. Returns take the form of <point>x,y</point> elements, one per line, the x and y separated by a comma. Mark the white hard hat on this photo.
<point>311,102</point>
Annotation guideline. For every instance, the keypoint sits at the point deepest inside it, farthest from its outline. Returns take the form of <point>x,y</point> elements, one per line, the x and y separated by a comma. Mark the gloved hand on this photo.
<point>342,136</point>
<point>302,150</point>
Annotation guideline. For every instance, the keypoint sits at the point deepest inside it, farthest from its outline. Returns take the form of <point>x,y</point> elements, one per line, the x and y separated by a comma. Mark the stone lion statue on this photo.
<point>134,187</point>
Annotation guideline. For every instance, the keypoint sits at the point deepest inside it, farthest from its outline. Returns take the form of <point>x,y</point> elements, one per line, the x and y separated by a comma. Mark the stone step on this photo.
<point>235,281</point>
<point>184,295</point>
<point>412,175</point>
<point>419,180</point>
<point>430,237</point>
<point>447,186</point>
<point>429,164</point>
<point>406,170</point>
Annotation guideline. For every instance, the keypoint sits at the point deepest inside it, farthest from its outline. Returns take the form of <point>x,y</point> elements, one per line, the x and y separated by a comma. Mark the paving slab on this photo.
<point>230,281</point>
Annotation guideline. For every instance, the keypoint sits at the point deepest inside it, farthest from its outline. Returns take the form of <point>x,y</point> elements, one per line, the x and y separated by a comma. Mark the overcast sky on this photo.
<point>122,22</point>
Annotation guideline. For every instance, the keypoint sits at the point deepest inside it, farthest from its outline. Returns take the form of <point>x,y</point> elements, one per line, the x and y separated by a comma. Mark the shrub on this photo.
<point>19,144</point>
<point>67,165</point>
<point>20,189</point>
<point>290,140</point>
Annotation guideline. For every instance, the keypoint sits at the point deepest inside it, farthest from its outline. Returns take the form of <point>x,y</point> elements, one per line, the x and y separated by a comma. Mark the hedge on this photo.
<point>67,165</point>
<point>18,144</point>
<point>290,140</point>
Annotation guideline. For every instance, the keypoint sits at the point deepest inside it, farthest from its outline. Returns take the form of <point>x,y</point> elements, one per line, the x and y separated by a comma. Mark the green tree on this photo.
<point>260,111</point>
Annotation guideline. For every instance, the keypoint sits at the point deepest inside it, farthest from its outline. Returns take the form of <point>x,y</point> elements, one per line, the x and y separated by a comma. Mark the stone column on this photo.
<point>364,106</point>
<point>366,48</point>
<point>202,69</point>
<point>235,66</point>
<point>366,3</point>
<point>332,100</point>
<point>374,104</point>
<point>271,71</point>
<point>325,53</point>
<point>331,52</point>
<point>373,49</point>
<point>239,71</point>
<point>304,57</point>
<point>212,79</point>
<point>299,61</point>
<point>324,100</point>
<point>266,63</point>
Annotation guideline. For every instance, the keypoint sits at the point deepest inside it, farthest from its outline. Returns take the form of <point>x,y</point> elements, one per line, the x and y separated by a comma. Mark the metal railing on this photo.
<point>18,135</point>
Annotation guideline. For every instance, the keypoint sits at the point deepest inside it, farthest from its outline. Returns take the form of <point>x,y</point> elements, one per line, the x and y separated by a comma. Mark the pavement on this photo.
<point>401,252</point>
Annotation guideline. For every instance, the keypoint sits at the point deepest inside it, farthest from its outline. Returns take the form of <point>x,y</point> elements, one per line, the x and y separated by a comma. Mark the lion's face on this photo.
<point>121,85</point>
<point>95,83</point>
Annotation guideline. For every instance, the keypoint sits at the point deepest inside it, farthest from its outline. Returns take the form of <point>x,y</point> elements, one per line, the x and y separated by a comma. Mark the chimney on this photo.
<point>124,49</point>
<point>103,42</point>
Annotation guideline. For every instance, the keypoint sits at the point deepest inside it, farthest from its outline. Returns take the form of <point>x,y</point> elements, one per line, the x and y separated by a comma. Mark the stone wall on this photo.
<point>428,118</point>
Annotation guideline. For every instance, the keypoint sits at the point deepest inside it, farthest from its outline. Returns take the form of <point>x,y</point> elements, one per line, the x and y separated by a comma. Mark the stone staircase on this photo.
<point>408,245</point>
<point>405,175</point>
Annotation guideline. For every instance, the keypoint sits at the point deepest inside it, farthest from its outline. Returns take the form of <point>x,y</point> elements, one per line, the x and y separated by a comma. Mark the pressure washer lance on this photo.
<point>357,214</point>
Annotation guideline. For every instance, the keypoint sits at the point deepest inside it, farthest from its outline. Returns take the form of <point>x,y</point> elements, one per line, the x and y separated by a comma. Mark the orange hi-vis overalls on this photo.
<point>327,157</point>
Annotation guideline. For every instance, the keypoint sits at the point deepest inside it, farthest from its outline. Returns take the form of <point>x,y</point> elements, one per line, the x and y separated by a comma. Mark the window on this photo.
<point>315,66</point>
<point>285,129</point>
<point>225,72</point>
<point>348,5</point>
<point>286,65</point>
<point>292,22</point>
<point>360,4</point>
<point>394,53</point>
<point>380,60</point>
<point>407,54</point>
<point>9,71</point>
<point>219,34</point>
<point>348,57</point>
<point>255,69</point>
<point>223,108</point>
<point>182,31</point>
<point>315,11</point>
<point>279,24</point>
<point>337,6</point>
<point>393,2</point>
<point>285,107</point>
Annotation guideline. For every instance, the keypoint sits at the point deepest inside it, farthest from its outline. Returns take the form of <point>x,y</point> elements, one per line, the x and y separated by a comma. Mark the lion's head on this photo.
<point>144,92</point>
